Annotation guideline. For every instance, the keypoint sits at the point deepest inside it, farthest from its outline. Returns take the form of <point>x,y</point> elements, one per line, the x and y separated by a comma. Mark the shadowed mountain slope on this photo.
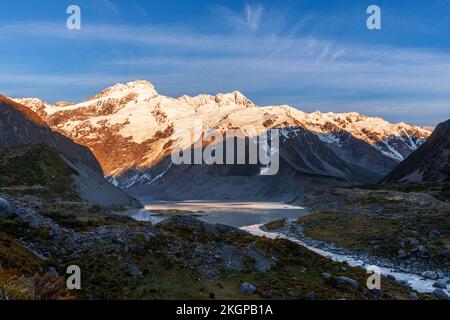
<point>31,149</point>
<point>430,163</point>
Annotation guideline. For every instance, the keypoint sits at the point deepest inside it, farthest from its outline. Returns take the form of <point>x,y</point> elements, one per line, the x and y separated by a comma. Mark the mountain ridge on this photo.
<point>430,163</point>
<point>135,114</point>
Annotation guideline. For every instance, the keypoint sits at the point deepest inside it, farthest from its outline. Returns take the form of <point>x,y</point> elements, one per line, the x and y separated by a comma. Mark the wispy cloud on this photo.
<point>303,71</point>
<point>253,16</point>
<point>109,5</point>
<point>249,18</point>
<point>139,9</point>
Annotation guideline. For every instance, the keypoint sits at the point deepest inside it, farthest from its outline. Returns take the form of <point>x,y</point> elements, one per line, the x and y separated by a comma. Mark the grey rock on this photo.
<point>5,207</point>
<point>232,258</point>
<point>247,288</point>
<point>420,250</point>
<point>347,283</point>
<point>262,263</point>
<point>326,275</point>
<point>430,275</point>
<point>101,231</point>
<point>291,292</point>
<point>439,293</point>
<point>53,271</point>
<point>434,234</point>
<point>134,270</point>
<point>310,296</point>
<point>440,284</point>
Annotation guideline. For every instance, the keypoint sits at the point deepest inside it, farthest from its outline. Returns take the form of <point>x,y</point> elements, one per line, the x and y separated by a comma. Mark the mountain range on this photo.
<point>132,130</point>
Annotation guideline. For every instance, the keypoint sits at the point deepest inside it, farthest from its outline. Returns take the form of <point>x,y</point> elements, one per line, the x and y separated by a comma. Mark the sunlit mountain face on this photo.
<point>144,127</point>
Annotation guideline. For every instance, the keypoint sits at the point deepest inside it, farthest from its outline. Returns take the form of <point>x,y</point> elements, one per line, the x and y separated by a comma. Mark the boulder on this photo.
<point>326,275</point>
<point>439,293</point>
<point>291,293</point>
<point>247,288</point>
<point>261,262</point>
<point>53,271</point>
<point>434,234</point>
<point>430,275</point>
<point>268,295</point>
<point>346,283</point>
<point>420,251</point>
<point>134,270</point>
<point>5,208</point>
<point>440,284</point>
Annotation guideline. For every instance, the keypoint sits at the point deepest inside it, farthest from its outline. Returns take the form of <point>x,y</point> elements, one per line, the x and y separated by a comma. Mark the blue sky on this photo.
<point>310,54</point>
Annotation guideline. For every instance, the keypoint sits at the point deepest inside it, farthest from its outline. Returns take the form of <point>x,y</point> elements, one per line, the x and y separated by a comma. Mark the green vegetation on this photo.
<point>15,255</point>
<point>82,217</point>
<point>358,232</point>
<point>36,170</point>
<point>386,223</point>
<point>275,225</point>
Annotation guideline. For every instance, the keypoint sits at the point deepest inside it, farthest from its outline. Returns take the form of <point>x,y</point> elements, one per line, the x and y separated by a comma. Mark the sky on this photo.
<point>309,54</point>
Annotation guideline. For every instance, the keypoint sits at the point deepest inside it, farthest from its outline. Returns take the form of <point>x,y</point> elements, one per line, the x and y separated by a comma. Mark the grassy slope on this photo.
<point>380,222</point>
<point>36,170</point>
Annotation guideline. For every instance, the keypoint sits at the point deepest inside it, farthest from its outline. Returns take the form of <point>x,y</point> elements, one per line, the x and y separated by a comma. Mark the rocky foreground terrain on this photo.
<point>405,227</point>
<point>181,258</point>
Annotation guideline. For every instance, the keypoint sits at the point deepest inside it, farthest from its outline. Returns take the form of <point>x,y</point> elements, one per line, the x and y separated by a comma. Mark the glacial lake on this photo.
<point>236,214</point>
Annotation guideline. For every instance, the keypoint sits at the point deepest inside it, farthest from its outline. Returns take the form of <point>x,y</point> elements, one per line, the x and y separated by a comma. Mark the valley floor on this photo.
<point>180,258</point>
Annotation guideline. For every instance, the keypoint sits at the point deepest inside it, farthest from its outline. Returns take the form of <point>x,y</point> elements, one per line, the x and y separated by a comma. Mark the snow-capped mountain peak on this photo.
<point>132,126</point>
<point>138,87</point>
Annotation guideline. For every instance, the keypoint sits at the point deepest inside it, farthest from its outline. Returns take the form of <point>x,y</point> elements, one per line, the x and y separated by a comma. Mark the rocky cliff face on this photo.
<point>430,163</point>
